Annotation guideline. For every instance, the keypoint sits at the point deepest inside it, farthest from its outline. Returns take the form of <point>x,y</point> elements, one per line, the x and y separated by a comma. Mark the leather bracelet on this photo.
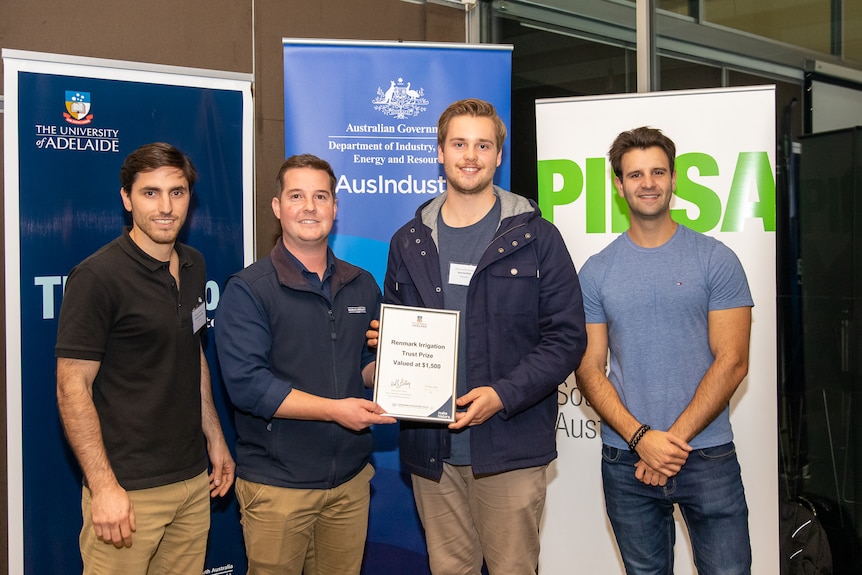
<point>633,442</point>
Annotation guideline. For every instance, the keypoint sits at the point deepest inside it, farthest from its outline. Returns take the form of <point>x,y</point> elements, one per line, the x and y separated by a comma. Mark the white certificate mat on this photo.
<point>417,363</point>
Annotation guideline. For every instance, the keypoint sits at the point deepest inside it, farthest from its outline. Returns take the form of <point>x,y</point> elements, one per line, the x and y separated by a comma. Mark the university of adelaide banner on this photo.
<point>371,110</point>
<point>69,124</point>
<point>725,167</point>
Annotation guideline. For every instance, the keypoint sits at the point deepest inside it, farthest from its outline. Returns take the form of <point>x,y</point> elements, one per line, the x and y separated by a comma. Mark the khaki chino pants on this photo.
<point>495,516</point>
<point>172,522</point>
<point>305,531</point>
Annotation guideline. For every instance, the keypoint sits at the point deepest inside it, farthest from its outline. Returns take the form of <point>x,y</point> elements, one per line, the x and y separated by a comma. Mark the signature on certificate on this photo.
<point>399,383</point>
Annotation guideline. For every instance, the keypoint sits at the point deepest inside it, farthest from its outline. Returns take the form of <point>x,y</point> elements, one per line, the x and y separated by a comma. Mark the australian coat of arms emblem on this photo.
<point>400,100</point>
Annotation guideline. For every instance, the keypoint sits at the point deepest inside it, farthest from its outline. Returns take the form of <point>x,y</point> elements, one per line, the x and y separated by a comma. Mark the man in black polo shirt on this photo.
<point>133,385</point>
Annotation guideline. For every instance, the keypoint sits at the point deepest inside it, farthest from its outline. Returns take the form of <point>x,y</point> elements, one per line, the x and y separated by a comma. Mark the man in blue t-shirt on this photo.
<point>674,308</point>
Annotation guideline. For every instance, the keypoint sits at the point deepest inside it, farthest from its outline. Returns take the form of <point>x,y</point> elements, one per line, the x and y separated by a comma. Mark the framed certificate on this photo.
<point>417,363</point>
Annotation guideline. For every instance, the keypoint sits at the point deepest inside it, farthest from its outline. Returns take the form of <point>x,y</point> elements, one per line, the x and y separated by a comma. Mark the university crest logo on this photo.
<point>78,108</point>
<point>400,100</point>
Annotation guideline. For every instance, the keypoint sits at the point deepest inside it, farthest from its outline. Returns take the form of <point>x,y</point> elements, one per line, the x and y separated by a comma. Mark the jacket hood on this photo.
<point>511,205</point>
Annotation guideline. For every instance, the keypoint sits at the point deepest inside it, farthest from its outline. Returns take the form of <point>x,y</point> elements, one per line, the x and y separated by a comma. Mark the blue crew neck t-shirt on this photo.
<point>655,302</point>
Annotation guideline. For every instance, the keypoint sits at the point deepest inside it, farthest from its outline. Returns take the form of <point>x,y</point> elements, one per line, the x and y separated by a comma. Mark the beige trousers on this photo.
<point>495,517</point>
<point>305,531</point>
<point>172,522</point>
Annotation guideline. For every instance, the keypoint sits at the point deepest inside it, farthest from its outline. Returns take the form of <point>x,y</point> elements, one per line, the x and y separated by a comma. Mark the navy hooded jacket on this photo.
<point>525,333</point>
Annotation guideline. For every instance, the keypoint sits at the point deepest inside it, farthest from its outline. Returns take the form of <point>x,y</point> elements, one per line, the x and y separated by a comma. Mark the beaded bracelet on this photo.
<point>633,442</point>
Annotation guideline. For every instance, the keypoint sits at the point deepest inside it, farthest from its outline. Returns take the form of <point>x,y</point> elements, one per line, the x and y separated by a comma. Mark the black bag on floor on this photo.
<point>803,543</point>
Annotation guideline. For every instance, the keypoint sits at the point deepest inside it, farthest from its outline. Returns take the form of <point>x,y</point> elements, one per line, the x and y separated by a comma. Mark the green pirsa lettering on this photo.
<point>573,184</point>
<point>752,169</point>
<point>599,178</point>
<point>705,199</point>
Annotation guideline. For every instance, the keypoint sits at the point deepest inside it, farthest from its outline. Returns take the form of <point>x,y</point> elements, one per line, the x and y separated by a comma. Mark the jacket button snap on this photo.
<point>418,241</point>
<point>513,271</point>
<point>432,460</point>
<point>437,289</point>
<point>515,243</point>
<point>501,250</point>
<point>422,252</point>
<point>528,235</point>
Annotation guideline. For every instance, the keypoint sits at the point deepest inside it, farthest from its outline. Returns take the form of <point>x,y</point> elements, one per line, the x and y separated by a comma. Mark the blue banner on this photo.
<point>74,129</point>
<point>371,110</point>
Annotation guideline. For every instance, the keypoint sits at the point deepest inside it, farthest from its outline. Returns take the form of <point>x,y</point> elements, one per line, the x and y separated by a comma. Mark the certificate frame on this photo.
<point>416,374</point>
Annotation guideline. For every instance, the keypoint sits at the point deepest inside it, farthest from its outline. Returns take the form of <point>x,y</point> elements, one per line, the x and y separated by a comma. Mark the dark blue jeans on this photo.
<point>710,496</point>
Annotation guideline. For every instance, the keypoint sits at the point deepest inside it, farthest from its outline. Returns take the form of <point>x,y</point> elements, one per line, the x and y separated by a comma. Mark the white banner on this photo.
<point>726,188</point>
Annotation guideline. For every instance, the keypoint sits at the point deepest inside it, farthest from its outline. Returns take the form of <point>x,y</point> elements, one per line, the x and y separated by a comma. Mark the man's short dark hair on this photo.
<point>304,161</point>
<point>641,138</point>
<point>153,156</point>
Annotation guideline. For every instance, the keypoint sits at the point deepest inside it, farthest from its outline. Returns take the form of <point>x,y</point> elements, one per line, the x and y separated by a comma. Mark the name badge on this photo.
<point>199,316</point>
<point>460,274</point>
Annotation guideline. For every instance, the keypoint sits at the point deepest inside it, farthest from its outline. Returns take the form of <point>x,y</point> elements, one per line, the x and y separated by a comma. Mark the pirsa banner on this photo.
<point>725,167</point>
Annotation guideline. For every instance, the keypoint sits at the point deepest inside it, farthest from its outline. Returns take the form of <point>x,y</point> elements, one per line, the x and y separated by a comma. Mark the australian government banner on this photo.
<point>725,169</point>
<point>69,124</point>
<point>371,110</point>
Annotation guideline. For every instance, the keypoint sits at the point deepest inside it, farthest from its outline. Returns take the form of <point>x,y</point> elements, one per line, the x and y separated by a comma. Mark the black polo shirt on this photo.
<point>122,308</point>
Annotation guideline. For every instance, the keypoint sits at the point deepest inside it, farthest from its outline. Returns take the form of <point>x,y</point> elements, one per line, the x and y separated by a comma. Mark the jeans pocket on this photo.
<point>717,452</point>
<point>611,454</point>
